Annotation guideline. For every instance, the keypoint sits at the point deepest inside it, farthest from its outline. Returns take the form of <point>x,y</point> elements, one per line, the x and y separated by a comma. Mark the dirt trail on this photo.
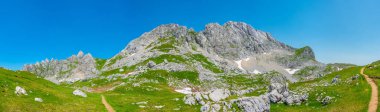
<point>108,106</point>
<point>104,88</point>
<point>374,98</point>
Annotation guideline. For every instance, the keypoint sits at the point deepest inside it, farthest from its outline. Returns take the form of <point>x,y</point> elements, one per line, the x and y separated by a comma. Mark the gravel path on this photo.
<point>108,106</point>
<point>374,98</point>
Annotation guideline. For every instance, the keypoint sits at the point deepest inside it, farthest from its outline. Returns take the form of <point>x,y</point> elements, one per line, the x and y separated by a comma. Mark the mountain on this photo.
<point>76,67</point>
<point>224,67</point>
<point>234,47</point>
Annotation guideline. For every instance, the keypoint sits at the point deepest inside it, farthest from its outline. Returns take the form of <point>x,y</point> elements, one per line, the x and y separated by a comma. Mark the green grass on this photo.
<point>167,44</point>
<point>244,80</point>
<point>55,97</point>
<point>100,63</point>
<point>349,97</point>
<point>373,70</point>
<point>299,51</point>
<point>206,63</point>
<point>165,47</point>
<point>124,97</point>
<point>163,75</point>
<point>113,60</point>
<point>305,71</point>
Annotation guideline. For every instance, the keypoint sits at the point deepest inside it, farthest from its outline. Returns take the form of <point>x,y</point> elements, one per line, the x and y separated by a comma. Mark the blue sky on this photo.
<point>32,30</point>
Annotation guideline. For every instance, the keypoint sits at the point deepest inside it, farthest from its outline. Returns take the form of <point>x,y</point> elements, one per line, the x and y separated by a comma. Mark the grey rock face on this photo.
<point>77,67</point>
<point>20,91</point>
<point>219,94</point>
<point>79,93</point>
<point>236,40</point>
<point>253,104</point>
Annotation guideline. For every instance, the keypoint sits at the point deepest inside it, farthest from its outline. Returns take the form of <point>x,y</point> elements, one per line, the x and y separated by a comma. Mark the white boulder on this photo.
<point>79,93</point>
<point>38,99</point>
<point>20,91</point>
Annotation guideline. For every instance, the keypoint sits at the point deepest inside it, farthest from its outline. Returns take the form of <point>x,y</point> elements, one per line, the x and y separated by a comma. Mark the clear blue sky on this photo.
<point>32,30</point>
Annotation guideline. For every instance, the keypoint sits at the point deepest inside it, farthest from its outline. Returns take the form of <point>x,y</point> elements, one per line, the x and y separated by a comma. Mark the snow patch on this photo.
<point>247,59</point>
<point>256,72</point>
<point>292,71</point>
<point>184,91</point>
<point>239,64</point>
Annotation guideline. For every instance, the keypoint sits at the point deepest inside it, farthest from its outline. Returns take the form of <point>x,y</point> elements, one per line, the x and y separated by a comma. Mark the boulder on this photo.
<point>215,108</point>
<point>79,93</point>
<point>38,99</point>
<point>334,80</point>
<point>151,64</point>
<point>189,99</point>
<point>219,94</point>
<point>205,108</point>
<point>20,91</point>
<point>355,77</point>
<point>326,100</point>
<point>275,97</point>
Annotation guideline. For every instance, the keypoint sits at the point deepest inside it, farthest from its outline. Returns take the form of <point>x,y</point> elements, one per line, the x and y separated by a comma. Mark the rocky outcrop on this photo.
<point>253,104</point>
<point>237,40</point>
<point>219,94</point>
<point>279,92</point>
<point>77,67</point>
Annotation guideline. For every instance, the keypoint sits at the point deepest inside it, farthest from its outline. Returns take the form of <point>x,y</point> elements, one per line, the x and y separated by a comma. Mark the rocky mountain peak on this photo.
<point>236,40</point>
<point>305,52</point>
<point>77,67</point>
<point>80,53</point>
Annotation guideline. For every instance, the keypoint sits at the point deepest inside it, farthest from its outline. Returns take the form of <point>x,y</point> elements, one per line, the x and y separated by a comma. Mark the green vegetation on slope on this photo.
<point>206,63</point>
<point>55,97</point>
<point>167,44</point>
<point>373,70</point>
<point>100,63</point>
<point>149,91</point>
<point>349,96</point>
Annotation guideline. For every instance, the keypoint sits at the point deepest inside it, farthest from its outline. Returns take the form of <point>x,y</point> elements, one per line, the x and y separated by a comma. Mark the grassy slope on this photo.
<point>373,70</point>
<point>124,98</point>
<point>56,98</point>
<point>349,97</point>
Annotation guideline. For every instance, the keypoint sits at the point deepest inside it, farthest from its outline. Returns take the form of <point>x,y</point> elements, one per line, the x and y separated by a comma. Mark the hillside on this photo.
<point>55,97</point>
<point>229,67</point>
